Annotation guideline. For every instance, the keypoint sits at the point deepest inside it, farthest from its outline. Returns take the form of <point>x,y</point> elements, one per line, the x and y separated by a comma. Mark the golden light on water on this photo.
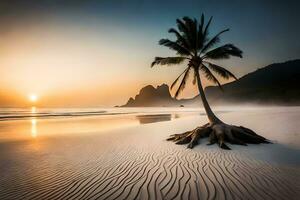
<point>33,128</point>
<point>33,123</point>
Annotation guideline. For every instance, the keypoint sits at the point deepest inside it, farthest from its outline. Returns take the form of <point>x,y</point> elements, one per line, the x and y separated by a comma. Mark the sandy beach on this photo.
<point>125,155</point>
<point>149,100</point>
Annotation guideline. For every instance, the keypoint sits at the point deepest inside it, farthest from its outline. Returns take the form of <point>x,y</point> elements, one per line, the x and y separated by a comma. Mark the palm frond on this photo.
<point>184,30</point>
<point>183,83</point>
<point>210,76</point>
<point>200,33</point>
<point>176,80</point>
<point>180,38</point>
<point>174,46</point>
<point>205,32</point>
<point>181,26</point>
<point>201,22</point>
<point>221,71</point>
<point>213,41</point>
<point>224,52</point>
<point>192,31</point>
<point>167,60</point>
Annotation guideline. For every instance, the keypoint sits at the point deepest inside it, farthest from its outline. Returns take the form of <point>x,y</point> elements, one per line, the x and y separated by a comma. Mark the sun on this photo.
<point>33,97</point>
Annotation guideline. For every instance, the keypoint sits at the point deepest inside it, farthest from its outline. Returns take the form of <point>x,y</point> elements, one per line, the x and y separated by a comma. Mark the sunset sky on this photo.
<point>98,53</point>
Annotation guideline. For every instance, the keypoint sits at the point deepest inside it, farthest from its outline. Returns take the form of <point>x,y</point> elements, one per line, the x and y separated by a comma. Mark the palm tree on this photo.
<point>194,47</point>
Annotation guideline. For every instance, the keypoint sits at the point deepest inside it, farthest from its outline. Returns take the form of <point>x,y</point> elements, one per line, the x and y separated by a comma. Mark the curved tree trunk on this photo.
<point>213,119</point>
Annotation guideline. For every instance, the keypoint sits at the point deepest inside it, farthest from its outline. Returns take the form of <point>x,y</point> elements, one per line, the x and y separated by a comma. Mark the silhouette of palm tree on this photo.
<point>193,46</point>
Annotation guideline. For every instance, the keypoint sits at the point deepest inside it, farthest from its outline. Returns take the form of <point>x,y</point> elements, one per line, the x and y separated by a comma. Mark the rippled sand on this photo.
<point>135,162</point>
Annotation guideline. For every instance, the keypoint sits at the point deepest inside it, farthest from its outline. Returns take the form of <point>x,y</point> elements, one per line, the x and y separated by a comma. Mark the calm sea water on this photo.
<point>34,112</point>
<point>28,123</point>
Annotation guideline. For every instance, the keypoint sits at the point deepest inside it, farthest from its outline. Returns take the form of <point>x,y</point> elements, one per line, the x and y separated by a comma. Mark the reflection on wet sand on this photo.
<point>146,119</point>
<point>33,123</point>
<point>33,128</point>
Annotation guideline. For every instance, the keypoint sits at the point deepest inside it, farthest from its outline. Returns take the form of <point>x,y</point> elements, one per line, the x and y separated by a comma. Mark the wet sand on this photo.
<point>86,161</point>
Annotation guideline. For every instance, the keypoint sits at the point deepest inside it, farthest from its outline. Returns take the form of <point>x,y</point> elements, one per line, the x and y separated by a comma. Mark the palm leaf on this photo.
<point>205,32</point>
<point>167,61</point>
<point>221,71</point>
<point>184,30</point>
<point>176,80</point>
<point>213,41</point>
<point>174,46</point>
<point>224,52</point>
<point>192,31</point>
<point>210,76</point>
<point>180,38</point>
<point>200,33</point>
<point>183,83</point>
<point>201,23</point>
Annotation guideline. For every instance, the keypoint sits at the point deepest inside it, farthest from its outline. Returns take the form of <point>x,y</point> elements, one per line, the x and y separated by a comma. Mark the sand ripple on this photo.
<point>166,171</point>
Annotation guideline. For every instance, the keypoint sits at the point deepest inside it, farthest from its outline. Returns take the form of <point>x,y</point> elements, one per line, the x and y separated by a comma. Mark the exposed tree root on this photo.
<point>219,133</point>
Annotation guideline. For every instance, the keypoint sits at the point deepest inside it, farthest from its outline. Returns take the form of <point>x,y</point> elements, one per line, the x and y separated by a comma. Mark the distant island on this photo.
<point>277,83</point>
<point>151,96</point>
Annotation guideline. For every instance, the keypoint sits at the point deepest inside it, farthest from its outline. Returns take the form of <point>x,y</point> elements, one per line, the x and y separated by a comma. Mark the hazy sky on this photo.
<point>98,53</point>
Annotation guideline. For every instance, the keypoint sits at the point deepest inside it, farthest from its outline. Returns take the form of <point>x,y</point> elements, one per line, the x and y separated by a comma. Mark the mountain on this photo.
<point>151,96</point>
<point>277,83</point>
